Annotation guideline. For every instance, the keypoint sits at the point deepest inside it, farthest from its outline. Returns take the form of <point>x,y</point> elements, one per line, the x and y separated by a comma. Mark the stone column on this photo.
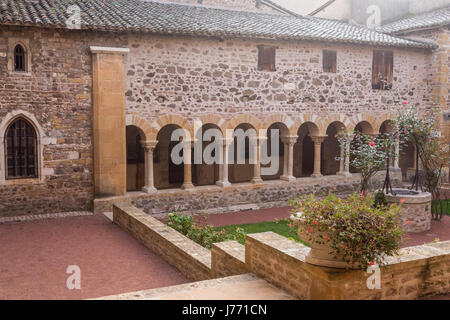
<point>187,153</point>
<point>317,155</point>
<point>108,117</point>
<point>342,162</point>
<point>347,156</point>
<point>288,169</point>
<point>223,168</point>
<point>397,155</point>
<point>344,165</point>
<point>149,147</point>
<point>257,166</point>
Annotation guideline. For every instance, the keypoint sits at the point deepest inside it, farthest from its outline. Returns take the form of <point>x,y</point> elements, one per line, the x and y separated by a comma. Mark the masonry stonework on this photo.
<point>172,80</point>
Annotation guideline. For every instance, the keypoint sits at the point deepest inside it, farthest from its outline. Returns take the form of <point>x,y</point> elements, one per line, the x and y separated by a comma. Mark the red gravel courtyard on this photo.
<point>34,257</point>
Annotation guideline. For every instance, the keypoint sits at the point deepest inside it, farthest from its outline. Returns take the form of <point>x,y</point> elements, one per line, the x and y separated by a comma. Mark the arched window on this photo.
<point>19,58</point>
<point>21,150</point>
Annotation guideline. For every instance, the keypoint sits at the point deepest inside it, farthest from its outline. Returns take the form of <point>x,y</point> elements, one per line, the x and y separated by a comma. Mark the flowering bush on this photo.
<point>433,152</point>
<point>354,229</point>
<point>203,234</point>
<point>366,155</point>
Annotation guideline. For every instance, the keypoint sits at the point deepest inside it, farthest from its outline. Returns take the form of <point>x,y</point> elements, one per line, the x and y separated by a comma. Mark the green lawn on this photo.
<point>281,227</point>
<point>445,206</point>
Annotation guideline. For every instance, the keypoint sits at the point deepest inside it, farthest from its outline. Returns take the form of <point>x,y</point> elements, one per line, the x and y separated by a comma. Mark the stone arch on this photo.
<point>334,118</point>
<point>215,119</point>
<point>307,118</point>
<point>278,118</point>
<point>243,118</point>
<point>144,127</point>
<point>174,119</point>
<point>40,137</point>
<point>366,120</point>
<point>381,119</point>
<point>304,148</point>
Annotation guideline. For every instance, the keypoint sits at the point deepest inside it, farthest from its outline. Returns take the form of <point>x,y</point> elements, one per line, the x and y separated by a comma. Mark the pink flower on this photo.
<point>372,143</point>
<point>408,221</point>
<point>402,200</point>
<point>315,222</point>
<point>405,102</point>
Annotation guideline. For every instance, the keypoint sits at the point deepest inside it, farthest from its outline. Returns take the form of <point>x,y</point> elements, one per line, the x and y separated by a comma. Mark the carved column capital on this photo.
<point>149,145</point>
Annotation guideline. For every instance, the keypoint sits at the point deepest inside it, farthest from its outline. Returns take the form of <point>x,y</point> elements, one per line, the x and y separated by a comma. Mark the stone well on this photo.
<point>415,213</point>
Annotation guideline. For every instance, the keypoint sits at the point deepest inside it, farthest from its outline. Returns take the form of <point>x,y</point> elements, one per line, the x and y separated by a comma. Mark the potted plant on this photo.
<point>346,233</point>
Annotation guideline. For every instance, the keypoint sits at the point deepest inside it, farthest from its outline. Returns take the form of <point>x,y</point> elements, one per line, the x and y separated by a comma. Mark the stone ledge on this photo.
<point>188,257</point>
<point>417,271</point>
<point>242,287</point>
<point>227,259</point>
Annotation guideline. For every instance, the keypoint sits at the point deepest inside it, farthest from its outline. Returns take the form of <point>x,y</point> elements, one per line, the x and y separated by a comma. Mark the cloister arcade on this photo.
<point>306,148</point>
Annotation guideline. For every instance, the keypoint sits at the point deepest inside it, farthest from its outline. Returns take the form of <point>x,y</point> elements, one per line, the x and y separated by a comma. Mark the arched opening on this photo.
<point>207,173</point>
<point>19,58</point>
<point>135,159</point>
<point>407,161</point>
<point>21,150</point>
<point>304,150</point>
<point>331,150</point>
<point>276,131</point>
<point>167,174</point>
<point>242,148</point>
<point>362,127</point>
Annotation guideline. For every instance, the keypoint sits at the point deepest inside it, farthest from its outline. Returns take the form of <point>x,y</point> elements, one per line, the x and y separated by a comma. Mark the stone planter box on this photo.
<point>320,254</point>
<point>415,213</point>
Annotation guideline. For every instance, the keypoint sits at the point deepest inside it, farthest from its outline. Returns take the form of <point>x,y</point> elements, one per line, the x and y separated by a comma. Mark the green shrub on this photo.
<point>353,228</point>
<point>380,200</point>
<point>203,234</point>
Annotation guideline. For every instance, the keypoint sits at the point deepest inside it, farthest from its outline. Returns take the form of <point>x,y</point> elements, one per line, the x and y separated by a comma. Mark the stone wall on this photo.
<point>227,259</point>
<point>192,260</point>
<point>56,95</point>
<point>417,272</point>
<point>190,77</point>
<point>237,197</point>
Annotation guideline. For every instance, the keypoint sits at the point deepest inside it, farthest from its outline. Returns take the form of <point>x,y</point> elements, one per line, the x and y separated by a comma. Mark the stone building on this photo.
<point>91,92</point>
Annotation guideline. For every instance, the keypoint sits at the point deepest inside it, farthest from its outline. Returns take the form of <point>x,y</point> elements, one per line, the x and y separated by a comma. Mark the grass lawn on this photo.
<point>281,227</point>
<point>445,206</point>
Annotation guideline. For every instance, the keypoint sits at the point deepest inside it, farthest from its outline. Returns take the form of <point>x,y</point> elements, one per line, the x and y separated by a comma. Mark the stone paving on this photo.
<point>111,261</point>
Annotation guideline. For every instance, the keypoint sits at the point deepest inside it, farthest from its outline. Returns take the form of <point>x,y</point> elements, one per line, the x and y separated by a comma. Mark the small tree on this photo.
<point>433,153</point>
<point>366,155</point>
<point>387,142</point>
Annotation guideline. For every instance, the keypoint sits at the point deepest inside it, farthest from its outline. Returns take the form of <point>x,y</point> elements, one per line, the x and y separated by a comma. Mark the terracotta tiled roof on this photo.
<point>166,18</point>
<point>437,18</point>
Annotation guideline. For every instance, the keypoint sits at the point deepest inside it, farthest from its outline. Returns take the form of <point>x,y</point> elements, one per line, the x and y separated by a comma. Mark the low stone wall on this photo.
<point>191,259</point>
<point>238,197</point>
<point>188,257</point>
<point>227,259</point>
<point>417,272</point>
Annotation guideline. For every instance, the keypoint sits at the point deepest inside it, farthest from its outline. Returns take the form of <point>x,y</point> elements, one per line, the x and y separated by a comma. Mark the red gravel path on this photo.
<point>34,257</point>
<point>439,230</point>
